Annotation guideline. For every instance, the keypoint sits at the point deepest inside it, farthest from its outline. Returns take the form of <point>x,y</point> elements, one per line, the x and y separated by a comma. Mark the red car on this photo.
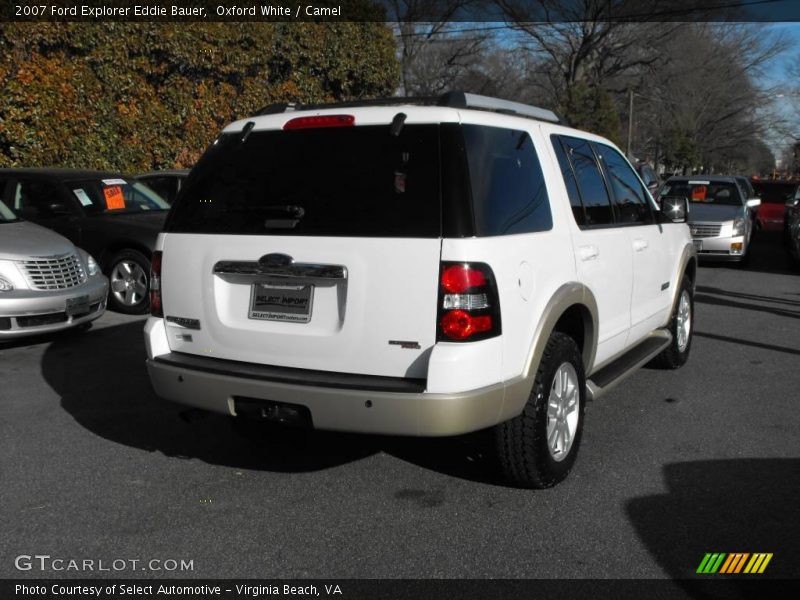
<point>773,194</point>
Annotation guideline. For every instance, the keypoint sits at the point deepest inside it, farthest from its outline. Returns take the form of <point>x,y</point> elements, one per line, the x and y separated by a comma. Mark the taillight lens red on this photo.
<point>469,306</point>
<point>156,309</point>
<point>459,278</point>
<point>320,121</point>
<point>459,324</point>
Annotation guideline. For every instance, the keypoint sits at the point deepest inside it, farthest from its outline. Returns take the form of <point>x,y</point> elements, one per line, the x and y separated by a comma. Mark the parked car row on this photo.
<point>73,241</point>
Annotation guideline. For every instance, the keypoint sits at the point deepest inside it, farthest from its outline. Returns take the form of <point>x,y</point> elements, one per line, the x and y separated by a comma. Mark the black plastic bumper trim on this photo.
<point>303,377</point>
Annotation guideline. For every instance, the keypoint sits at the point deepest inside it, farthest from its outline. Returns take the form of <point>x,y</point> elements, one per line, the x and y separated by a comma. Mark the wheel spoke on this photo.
<point>552,435</point>
<point>562,411</point>
<point>118,285</point>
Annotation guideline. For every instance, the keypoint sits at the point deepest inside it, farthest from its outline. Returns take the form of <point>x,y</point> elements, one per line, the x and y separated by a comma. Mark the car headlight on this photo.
<point>6,285</point>
<point>92,268</point>
<point>738,226</point>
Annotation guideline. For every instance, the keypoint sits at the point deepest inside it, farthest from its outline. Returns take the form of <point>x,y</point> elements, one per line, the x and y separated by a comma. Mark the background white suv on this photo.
<point>420,269</point>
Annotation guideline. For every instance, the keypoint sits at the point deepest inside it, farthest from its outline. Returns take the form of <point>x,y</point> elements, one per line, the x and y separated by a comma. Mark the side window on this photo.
<point>37,199</point>
<point>508,190</point>
<point>629,195</point>
<point>569,181</point>
<point>163,186</point>
<point>590,182</point>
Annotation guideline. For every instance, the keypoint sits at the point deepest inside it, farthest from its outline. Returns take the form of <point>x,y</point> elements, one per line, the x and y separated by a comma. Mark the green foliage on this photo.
<point>592,109</point>
<point>680,152</point>
<point>136,96</point>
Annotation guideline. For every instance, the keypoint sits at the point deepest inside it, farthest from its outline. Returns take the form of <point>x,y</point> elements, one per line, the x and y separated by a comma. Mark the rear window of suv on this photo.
<point>343,181</point>
<point>365,182</point>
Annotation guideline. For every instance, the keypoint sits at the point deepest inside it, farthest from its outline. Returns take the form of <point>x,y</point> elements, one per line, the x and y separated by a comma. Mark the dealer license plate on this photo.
<point>281,303</point>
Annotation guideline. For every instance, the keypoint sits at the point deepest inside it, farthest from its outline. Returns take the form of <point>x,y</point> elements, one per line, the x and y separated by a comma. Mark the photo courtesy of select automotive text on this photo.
<point>430,299</point>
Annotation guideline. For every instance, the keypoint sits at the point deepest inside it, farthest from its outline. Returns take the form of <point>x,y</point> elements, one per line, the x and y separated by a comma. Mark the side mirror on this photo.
<point>58,208</point>
<point>754,202</point>
<point>675,208</point>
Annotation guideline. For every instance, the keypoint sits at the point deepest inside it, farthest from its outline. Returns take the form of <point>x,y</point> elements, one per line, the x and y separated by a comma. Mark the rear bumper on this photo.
<point>331,408</point>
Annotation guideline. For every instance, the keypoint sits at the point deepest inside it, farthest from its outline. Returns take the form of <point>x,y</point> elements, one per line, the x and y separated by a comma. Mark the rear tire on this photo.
<point>676,354</point>
<point>538,448</point>
<point>129,282</point>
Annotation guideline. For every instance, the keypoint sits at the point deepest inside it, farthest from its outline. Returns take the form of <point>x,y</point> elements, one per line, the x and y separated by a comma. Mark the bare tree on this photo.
<point>431,49</point>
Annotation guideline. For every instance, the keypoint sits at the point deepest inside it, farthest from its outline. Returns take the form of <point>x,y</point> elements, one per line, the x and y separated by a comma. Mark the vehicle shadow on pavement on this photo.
<point>103,384</point>
<point>730,506</point>
<point>778,311</point>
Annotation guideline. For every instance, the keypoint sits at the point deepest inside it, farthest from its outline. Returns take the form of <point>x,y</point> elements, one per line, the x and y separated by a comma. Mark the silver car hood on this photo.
<point>714,213</point>
<point>23,240</point>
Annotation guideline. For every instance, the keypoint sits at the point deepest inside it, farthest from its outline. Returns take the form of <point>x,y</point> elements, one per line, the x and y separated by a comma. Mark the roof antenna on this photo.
<point>397,124</point>
<point>248,127</point>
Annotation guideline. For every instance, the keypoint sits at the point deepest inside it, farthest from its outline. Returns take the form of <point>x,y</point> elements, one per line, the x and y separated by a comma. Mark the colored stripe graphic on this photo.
<point>711,562</point>
<point>733,563</point>
<point>758,563</point>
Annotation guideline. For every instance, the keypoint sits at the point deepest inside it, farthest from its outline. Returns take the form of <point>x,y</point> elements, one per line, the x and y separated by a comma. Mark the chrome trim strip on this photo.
<point>294,270</point>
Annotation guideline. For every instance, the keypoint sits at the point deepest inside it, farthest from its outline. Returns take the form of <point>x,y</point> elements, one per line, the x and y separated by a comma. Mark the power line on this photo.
<point>643,17</point>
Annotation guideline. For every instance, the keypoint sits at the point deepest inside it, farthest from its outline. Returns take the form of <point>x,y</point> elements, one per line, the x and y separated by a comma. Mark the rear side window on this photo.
<point>166,187</point>
<point>508,190</point>
<point>629,195</point>
<point>342,181</point>
<point>569,181</point>
<point>36,199</point>
<point>590,181</point>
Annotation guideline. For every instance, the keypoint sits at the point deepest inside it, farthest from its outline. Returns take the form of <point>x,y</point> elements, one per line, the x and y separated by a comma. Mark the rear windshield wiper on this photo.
<point>286,216</point>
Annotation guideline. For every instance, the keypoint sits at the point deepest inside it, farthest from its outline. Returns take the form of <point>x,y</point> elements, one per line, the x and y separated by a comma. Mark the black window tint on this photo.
<point>569,181</point>
<point>339,181</point>
<point>508,191</point>
<point>590,182</point>
<point>36,199</point>
<point>163,186</point>
<point>629,196</point>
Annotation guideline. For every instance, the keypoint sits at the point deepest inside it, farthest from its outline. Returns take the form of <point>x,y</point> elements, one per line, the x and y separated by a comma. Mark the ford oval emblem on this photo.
<point>276,259</point>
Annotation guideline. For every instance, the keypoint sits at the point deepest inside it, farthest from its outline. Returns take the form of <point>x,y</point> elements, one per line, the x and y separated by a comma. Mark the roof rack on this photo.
<point>449,99</point>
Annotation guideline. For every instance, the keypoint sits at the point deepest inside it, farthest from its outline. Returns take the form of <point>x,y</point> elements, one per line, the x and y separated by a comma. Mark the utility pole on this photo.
<point>630,122</point>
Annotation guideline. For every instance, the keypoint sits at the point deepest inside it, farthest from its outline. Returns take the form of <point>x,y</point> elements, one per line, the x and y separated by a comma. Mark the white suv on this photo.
<point>417,268</point>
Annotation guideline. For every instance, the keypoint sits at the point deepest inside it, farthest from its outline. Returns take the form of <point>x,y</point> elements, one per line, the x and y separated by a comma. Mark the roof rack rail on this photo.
<point>466,100</point>
<point>450,99</point>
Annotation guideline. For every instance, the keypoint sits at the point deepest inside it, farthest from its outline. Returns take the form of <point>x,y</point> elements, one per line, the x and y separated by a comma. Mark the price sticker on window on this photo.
<point>699,193</point>
<point>114,198</point>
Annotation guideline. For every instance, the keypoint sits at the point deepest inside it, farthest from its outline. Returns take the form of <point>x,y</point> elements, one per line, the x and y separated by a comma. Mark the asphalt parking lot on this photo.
<point>673,465</point>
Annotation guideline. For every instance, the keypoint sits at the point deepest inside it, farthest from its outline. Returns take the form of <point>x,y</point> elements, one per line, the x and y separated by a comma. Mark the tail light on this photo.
<point>469,306</point>
<point>156,309</point>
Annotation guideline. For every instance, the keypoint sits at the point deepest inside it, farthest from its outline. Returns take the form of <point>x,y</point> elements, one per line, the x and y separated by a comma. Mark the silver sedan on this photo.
<point>46,283</point>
